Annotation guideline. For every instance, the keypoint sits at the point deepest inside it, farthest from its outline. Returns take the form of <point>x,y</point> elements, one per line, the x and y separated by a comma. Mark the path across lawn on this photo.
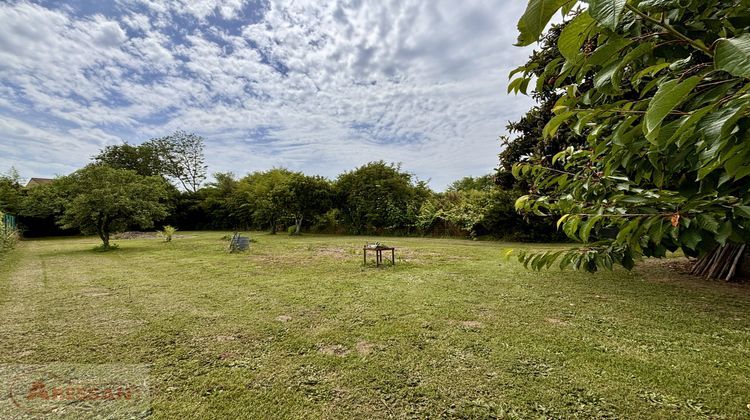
<point>296,327</point>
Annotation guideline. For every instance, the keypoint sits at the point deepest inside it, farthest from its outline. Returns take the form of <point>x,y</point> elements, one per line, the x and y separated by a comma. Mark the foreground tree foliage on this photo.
<point>527,140</point>
<point>100,199</point>
<point>659,89</point>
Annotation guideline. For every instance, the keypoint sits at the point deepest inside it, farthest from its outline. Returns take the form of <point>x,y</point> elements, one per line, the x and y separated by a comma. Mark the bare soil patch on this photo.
<point>334,350</point>
<point>364,348</point>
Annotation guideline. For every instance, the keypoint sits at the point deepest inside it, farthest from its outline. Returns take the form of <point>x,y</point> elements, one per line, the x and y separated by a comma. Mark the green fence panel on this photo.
<point>9,222</point>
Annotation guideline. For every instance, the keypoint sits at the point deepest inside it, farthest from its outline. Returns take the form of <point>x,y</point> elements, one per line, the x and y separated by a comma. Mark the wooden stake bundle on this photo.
<point>721,263</point>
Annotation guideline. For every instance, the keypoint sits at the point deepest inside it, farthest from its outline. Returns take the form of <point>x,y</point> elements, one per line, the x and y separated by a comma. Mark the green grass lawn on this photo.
<point>297,327</point>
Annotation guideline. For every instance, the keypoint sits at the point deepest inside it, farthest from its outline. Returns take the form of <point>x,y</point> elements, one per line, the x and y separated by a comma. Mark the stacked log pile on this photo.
<point>723,263</point>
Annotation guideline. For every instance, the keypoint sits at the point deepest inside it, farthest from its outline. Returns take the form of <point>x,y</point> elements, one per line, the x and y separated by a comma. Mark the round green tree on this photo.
<point>99,200</point>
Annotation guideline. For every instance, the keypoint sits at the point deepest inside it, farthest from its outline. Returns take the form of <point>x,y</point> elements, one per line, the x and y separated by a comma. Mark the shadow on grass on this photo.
<point>97,250</point>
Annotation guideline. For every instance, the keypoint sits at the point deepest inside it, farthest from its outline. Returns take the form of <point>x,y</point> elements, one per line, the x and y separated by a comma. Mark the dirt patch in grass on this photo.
<point>679,265</point>
<point>334,350</point>
<point>555,321</point>
<point>283,318</point>
<point>364,348</point>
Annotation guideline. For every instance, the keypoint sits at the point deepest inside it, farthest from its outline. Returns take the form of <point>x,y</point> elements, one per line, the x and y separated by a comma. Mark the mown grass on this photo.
<point>297,327</point>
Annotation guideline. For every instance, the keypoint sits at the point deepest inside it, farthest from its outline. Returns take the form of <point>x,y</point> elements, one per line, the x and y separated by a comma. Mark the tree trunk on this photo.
<point>103,231</point>
<point>297,225</point>
<point>273,227</point>
<point>104,236</point>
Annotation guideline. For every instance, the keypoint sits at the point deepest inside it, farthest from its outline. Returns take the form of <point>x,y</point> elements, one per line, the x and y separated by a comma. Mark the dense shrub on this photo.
<point>380,198</point>
<point>476,213</point>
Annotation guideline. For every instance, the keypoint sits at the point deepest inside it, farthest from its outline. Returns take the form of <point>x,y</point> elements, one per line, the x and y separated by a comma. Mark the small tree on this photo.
<point>100,199</point>
<point>167,232</point>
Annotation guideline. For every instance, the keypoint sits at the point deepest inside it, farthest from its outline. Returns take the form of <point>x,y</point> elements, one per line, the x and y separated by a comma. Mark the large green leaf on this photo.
<point>733,55</point>
<point>725,230</point>
<point>586,228</point>
<point>550,129</point>
<point>691,238</point>
<point>574,34</point>
<point>535,19</point>
<point>570,227</point>
<point>688,122</point>
<point>717,125</point>
<point>742,211</point>
<point>607,12</point>
<point>659,5</point>
<point>604,76</point>
<point>667,97</point>
<point>609,51</point>
<point>635,53</point>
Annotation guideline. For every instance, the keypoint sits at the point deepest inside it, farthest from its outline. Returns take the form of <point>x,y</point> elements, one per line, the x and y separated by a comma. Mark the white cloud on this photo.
<point>332,84</point>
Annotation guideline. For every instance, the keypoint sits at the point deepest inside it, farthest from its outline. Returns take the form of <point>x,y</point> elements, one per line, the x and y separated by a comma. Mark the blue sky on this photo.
<point>315,86</point>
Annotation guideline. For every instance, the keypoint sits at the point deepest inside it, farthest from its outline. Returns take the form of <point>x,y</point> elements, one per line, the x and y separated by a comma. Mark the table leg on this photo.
<point>364,252</point>
<point>393,256</point>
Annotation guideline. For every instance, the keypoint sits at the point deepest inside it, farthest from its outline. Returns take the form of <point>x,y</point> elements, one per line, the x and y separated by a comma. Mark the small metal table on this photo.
<point>379,254</point>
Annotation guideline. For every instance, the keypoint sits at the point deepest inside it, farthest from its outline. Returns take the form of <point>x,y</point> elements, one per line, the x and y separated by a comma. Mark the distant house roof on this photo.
<point>33,182</point>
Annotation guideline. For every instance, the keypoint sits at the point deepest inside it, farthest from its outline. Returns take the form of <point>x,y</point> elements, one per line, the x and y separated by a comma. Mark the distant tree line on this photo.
<point>164,182</point>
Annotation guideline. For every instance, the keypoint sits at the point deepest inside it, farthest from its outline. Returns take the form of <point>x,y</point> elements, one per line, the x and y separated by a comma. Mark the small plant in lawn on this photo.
<point>167,232</point>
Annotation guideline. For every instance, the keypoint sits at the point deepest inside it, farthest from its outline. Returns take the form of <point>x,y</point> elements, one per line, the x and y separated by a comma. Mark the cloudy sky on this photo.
<point>316,86</point>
